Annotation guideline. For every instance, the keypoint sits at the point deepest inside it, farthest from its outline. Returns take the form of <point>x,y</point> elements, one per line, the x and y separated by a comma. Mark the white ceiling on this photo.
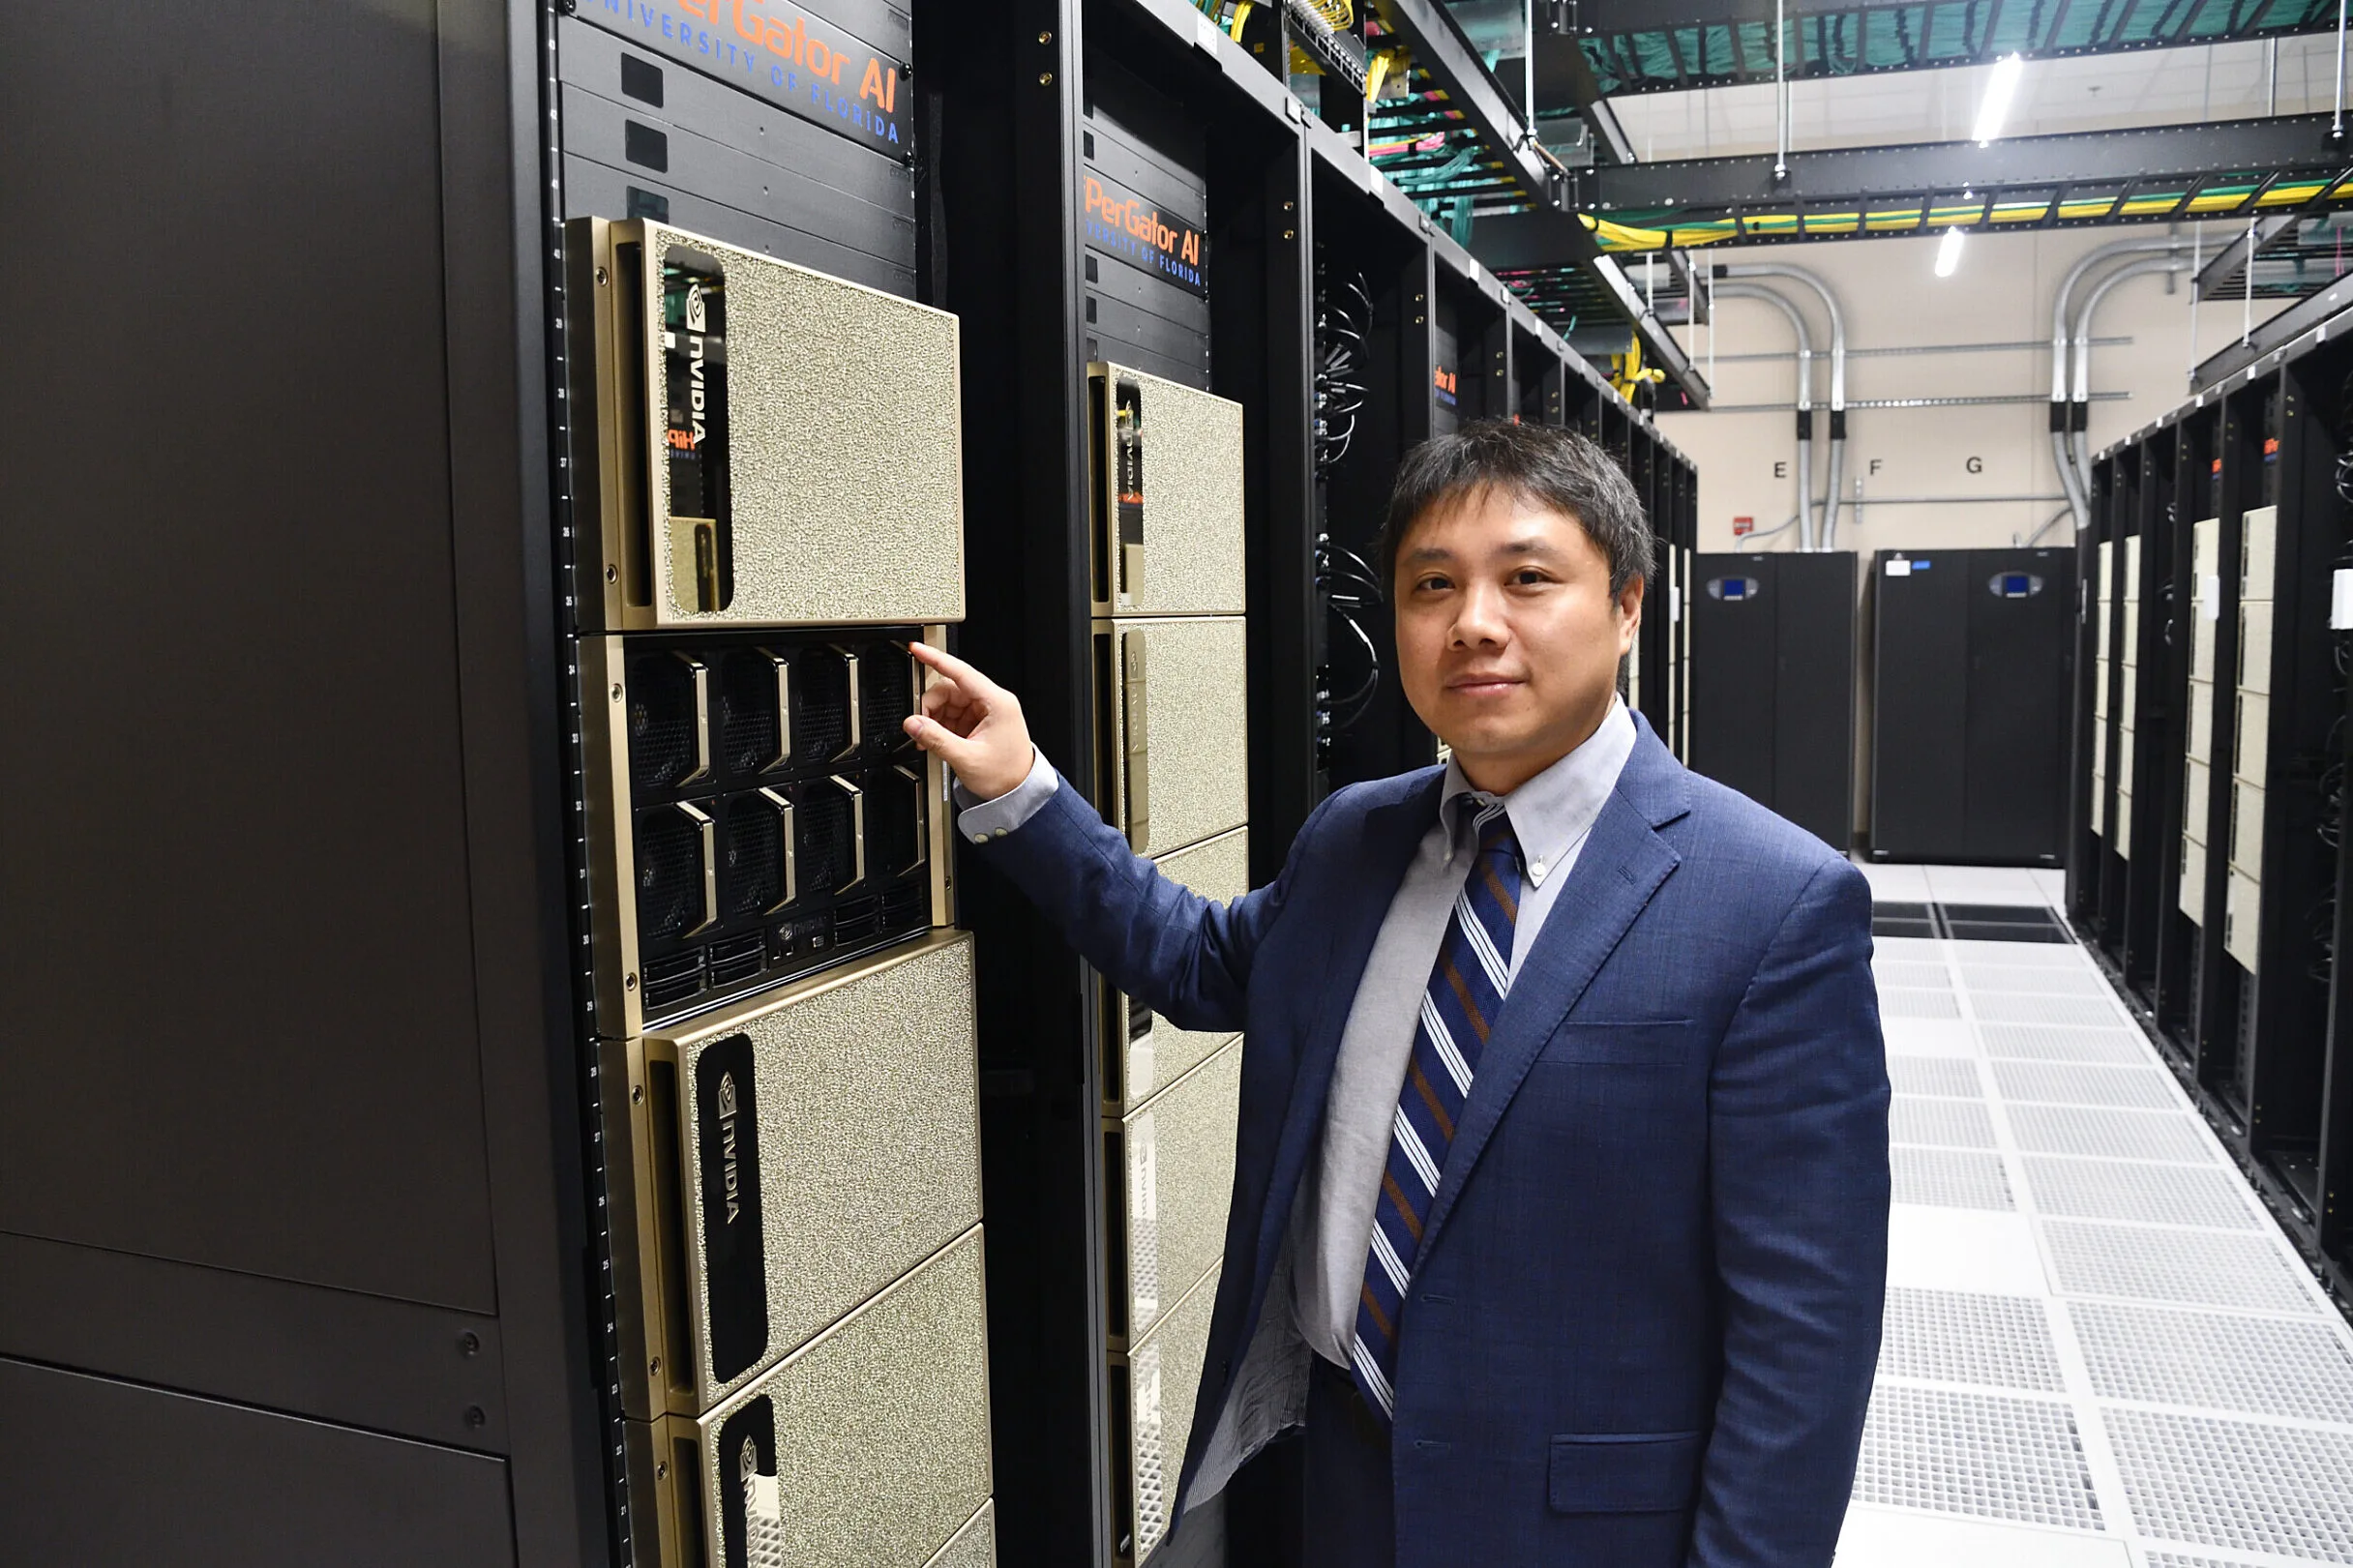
<point>2179,86</point>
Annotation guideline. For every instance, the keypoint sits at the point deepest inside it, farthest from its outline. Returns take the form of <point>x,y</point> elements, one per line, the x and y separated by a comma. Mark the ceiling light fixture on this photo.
<point>1999,90</point>
<point>1949,253</point>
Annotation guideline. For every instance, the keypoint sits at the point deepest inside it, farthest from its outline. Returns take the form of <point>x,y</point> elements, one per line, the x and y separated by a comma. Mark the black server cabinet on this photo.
<point>1972,653</point>
<point>1773,683</point>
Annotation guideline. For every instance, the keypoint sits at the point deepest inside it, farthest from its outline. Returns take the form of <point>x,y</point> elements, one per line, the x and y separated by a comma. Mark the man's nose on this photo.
<point>1482,618</point>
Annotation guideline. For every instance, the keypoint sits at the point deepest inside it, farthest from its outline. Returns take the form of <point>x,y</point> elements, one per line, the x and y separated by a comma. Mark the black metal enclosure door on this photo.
<point>1813,759</point>
<point>2015,731</point>
<point>1733,651</point>
<point>1920,635</point>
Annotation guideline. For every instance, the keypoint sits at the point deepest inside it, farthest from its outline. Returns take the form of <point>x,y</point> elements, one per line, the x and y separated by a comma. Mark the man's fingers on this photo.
<point>934,736</point>
<point>955,670</point>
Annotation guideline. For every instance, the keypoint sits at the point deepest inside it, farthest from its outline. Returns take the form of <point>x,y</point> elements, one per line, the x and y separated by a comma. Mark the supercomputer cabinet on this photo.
<point>1773,683</point>
<point>1973,650</point>
<point>1171,638</point>
<point>787,1074</point>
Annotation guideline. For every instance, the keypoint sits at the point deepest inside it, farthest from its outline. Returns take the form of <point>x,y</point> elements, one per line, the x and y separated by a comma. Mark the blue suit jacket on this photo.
<point>1645,1315</point>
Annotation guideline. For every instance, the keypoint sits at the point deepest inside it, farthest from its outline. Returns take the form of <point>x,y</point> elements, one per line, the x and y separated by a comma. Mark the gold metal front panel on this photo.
<point>2255,645</point>
<point>1160,1384</point>
<point>869,1448</point>
<point>2258,551</point>
<point>2192,894</point>
<point>1178,1152</point>
<point>1176,738</point>
<point>2241,914</point>
<point>2201,720</point>
<point>1168,482</point>
<point>2196,781</point>
<point>1148,1052</point>
<point>781,1160</point>
<point>841,443</point>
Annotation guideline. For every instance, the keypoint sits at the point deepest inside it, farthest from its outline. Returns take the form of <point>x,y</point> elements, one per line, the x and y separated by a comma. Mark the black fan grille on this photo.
<point>828,852</point>
<point>747,712</point>
<point>886,692</point>
<point>894,823</point>
<point>670,874</point>
<point>661,722</point>
<point>752,863</point>
<point>821,706</point>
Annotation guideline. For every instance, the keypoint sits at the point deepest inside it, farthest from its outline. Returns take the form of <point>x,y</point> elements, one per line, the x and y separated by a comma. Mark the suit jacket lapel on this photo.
<point>1390,834</point>
<point>1622,865</point>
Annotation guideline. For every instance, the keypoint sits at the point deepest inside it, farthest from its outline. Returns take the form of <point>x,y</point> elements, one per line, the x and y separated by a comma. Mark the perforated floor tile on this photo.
<point>2043,1043</point>
<point>1952,1076</point>
<point>1953,1124</point>
<point>2042,954</point>
<point>2248,1366</point>
<point>1902,972</point>
<point>1949,1178</point>
<point>2045,979</point>
<point>2118,1134</point>
<point>1961,1337</point>
<point>1990,1455</point>
<point>2010,1007</point>
<point>2210,1195</point>
<point>2069,1083</point>
<point>2240,1484</point>
<point>2203,1268</point>
<point>1917,1004</point>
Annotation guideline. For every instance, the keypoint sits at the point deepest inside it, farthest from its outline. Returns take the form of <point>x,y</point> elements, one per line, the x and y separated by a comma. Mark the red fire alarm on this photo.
<point>1744,525</point>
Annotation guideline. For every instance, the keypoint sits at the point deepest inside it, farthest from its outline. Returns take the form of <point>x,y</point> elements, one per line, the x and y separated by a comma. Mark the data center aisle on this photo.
<point>2100,1353</point>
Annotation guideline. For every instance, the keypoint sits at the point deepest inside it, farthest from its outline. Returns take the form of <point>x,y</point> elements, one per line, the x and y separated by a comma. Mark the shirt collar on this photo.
<point>1552,813</point>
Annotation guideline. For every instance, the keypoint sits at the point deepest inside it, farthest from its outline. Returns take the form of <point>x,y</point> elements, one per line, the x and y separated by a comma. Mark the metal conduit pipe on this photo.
<point>1828,538</point>
<point>2079,435</point>
<point>2063,451</point>
<point>1806,399</point>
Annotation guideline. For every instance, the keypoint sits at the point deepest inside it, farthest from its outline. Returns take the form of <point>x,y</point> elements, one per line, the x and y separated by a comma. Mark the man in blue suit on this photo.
<point>1561,1198</point>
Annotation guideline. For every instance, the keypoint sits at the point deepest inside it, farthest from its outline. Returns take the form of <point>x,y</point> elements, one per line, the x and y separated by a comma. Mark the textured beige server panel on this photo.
<point>779,1161</point>
<point>2255,645</point>
<point>2201,721</point>
<point>2242,918</point>
<point>2107,590</point>
<point>1178,1153</point>
<point>2124,758</point>
<point>2196,781</point>
<point>2099,778</point>
<point>868,1448</point>
<point>1168,482</point>
<point>2246,830</point>
<point>1147,1051</point>
<point>2258,553</point>
<point>2124,826</point>
<point>1158,1382</point>
<point>772,446</point>
<point>2192,892</point>
<point>1176,694</point>
<point>2251,731</point>
<point>1683,695</point>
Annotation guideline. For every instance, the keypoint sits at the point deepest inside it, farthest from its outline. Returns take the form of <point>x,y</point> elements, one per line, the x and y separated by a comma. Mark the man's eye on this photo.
<point>1432,584</point>
<point>1529,576</point>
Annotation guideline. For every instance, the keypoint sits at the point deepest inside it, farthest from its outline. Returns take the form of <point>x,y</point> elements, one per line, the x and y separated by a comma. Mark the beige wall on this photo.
<point>1888,291</point>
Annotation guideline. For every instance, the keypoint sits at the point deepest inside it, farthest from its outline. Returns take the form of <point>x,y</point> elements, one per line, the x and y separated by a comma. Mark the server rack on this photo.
<point>448,1289</point>
<point>2246,994</point>
<point>1772,711</point>
<point>1971,693</point>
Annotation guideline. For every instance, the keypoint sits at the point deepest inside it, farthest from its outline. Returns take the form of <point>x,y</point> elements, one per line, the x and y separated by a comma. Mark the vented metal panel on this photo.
<point>794,439</point>
<point>1919,1004</point>
<point>1152,1051</point>
<point>2207,1197</point>
<point>1160,1381</point>
<point>1178,722</point>
<point>1955,1077</point>
<point>1178,1181</point>
<point>2041,978</point>
<point>2207,1269</point>
<point>2248,1366</point>
<point>2143,1088</point>
<point>868,1448</point>
<point>1953,1124</point>
<point>1988,1455</point>
<point>2118,1134</point>
<point>1998,1007</point>
<point>2034,1042</point>
<point>1964,1337</point>
<point>2237,1484</point>
<point>781,1161</point>
<point>1167,478</point>
<point>1949,1178</point>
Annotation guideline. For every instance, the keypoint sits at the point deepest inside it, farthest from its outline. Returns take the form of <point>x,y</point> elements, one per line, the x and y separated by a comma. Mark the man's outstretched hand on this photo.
<point>974,724</point>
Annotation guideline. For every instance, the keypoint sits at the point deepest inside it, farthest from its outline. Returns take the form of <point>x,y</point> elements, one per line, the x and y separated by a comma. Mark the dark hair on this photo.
<point>1538,462</point>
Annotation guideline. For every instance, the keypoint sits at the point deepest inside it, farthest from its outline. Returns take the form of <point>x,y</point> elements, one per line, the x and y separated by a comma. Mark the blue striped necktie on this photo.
<point>1459,1008</point>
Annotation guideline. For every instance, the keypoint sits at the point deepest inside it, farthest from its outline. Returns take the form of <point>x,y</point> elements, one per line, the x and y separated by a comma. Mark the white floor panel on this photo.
<point>2101,1351</point>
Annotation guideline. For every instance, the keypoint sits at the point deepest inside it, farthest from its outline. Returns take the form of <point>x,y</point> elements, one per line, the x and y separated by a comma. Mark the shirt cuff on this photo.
<point>982,819</point>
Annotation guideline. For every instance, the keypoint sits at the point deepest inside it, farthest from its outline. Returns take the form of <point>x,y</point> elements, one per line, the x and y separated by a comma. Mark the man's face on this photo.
<point>1507,635</point>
